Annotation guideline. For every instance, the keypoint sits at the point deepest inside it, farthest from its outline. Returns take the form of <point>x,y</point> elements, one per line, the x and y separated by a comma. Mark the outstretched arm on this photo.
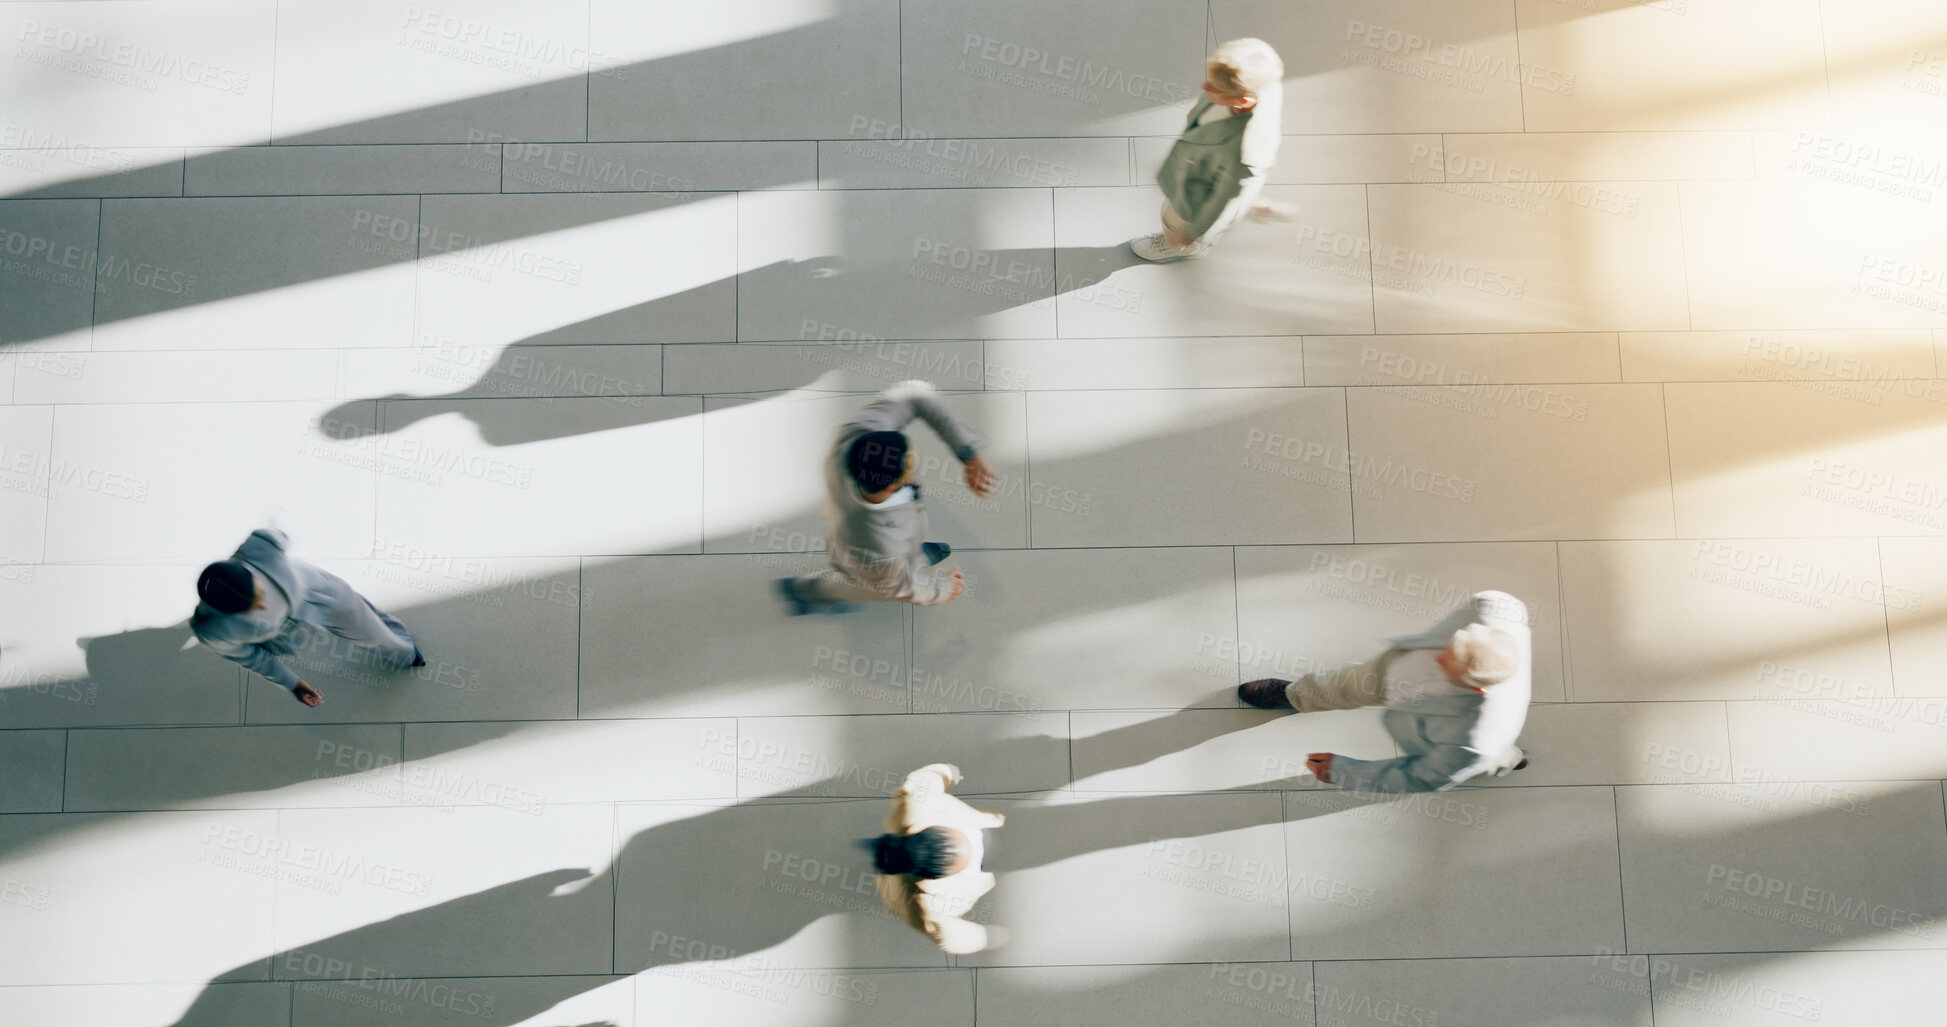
<point>896,407</point>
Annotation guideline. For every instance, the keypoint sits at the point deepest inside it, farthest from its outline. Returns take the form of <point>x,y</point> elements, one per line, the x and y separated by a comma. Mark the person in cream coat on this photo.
<point>929,861</point>
<point>1456,697</point>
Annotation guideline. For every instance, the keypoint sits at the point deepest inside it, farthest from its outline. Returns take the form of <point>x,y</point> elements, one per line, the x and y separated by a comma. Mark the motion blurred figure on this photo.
<point>875,524</point>
<point>929,860</point>
<point>258,605</point>
<point>1215,171</point>
<point>1456,697</point>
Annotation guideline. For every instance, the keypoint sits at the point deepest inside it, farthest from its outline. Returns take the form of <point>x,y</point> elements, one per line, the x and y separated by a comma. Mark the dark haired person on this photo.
<point>929,860</point>
<point>256,606</point>
<point>875,523</point>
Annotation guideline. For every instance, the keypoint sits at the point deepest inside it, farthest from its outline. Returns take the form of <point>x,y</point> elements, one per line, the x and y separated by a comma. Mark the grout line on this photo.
<point>270,129</point>
<point>615,882</point>
<point>587,79</point>
<point>1351,465</point>
<point>1236,615</point>
<point>1622,892</point>
<point>1886,616</point>
<point>1372,275</point>
<point>1669,458</point>
<point>1683,250</point>
<point>581,591</point>
<point>1520,91</point>
<point>1825,62</point>
<point>1284,843</point>
<point>1561,607</point>
<point>67,749</point>
<point>899,26</point>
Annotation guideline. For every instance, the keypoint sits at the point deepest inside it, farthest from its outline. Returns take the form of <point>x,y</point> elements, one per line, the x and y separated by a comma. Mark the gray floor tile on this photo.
<point>423,892</point>
<point>232,768</point>
<point>896,264</point>
<point>1776,990</point>
<point>75,658</point>
<point>272,272</point>
<point>1183,467</point>
<point>1004,69</point>
<point>68,169</point>
<point>1879,360</point>
<point>1484,361</point>
<point>641,657</point>
<point>266,1004</point>
<point>678,72</point>
<point>213,376</point>
<point>1731,619</point>
<point>533,477</point>
<point>328,170</point>
<point>447,369</point>
<point>29,465</point>
<point>1220,994</point>
<point>1209,363</point>
<point>1079,629</point>
<point>1561,992</point>
<point>34,763</point>
<point>1439,464</point>
<point>1511,872</point>
<point>534,765</point>
<point>577,268</point>
<point>849,365</point>
<point>136,479</point>
<point>1857,738</point>
<point>1586,743</point>
<point>805,998</point>
<point>885,162</point>
<point>199,74</point>
<point>1777,865</point>
<point>1912,585</point>
<point>360,1002</point>
<point>657,167</point>
<point>503,71</point>
<point>47,279</point>
<point>92,908</point>
<point>871,756</point>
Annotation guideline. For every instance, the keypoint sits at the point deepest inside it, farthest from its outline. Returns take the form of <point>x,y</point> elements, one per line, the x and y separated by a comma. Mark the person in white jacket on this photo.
<point>1215,171</point>
<point>929,860</point>
<point>1456,697</point>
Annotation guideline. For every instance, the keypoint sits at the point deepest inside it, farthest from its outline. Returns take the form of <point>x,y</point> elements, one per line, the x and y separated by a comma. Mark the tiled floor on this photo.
<point>532,320</point>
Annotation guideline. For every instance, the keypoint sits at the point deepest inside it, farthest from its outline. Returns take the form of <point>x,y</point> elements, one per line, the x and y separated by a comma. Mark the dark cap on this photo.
<point>227,587</point>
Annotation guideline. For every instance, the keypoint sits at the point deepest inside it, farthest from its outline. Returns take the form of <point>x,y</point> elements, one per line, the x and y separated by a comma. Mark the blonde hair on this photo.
<point>1245,67</point>
<point>1486,655</point>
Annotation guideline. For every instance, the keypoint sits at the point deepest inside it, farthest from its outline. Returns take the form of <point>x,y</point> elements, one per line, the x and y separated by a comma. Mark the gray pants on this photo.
<point>836,586</point>
<point>1347,688</point>
<point>353,618</point>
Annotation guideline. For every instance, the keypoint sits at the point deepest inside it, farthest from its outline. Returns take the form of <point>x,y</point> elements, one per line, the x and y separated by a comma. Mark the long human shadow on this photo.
<point>827,287</point>
<point>707,887</point>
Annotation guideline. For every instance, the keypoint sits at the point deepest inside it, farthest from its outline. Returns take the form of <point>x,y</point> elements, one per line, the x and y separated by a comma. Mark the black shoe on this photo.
<point>1265,694</point>
<point>417,660</point>
<point>935,551</point>
<point>1523,765</point>
<point>787,589</point>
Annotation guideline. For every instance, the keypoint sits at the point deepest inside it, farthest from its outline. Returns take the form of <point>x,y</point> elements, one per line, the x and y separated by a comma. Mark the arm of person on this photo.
<point>896,407</point>
<point>253,657</point>
<point>1227,193</point>
<point>1435,770</point>
<point>944,915</point>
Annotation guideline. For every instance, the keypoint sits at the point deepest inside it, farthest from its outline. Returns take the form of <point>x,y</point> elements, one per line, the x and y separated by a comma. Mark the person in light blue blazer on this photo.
<point>1456,697</point>
<point>257,605</point>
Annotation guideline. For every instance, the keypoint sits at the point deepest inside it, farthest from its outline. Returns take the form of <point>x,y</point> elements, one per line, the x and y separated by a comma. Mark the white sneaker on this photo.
<point>1153,249</point>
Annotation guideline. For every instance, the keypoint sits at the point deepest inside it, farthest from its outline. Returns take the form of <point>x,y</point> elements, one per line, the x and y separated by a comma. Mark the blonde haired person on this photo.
<point>1456,697</point>
<point>1213,174</point>
<point>929,861</point>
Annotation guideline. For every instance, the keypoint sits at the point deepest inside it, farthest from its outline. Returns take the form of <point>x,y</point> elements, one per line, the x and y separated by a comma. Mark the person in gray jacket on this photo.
<point>1213,174</point>
<point>875,524</point>
<point>257,606</point>
<point>1456,697</point>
